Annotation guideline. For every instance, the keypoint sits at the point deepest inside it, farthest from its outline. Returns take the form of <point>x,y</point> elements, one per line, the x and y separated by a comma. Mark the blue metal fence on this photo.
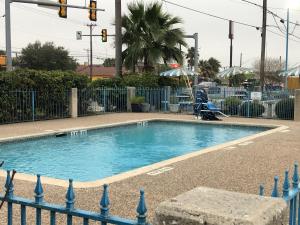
<point>29,105</point>
<point>39,204</point>
<point>100,100</point>
<point>290,193</point>
<point>243,103</point>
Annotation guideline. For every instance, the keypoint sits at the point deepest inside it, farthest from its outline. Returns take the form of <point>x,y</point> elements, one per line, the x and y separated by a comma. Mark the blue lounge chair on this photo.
<point>204,108</point>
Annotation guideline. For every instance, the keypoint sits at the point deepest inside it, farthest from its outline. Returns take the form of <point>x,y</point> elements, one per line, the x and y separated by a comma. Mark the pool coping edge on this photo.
<point>145,169</point>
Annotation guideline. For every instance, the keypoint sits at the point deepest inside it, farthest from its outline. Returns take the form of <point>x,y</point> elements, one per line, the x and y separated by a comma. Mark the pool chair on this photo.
<point>204,108</point>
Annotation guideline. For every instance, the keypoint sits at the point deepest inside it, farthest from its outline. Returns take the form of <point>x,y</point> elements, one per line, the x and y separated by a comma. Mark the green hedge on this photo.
<point>51,94</point>
<point>139,80</point>
<point>252,109</point>
<point>25,79</point>
<point>284,109</point>
<point>231,105</point>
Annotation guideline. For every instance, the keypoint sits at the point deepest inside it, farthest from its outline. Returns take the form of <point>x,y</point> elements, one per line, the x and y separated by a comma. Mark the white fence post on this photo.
<point>74,103</point>
<point>130,95</point>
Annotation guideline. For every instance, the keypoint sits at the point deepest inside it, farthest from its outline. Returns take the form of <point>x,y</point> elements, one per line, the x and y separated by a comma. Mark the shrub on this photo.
<point>139,80</point>
<point>137,100</point>
<point>231,105</point>
<point>284,109</point>
<point>51,93</point>
<point>252,109</point>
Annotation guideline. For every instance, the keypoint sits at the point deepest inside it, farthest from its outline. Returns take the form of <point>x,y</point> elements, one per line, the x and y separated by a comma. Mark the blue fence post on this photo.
<point>39,198</point>
<point>142,209</point>
<point>261,190</point>
<point>33,104</point>
<point>10,192</point>
<point>275,192</point>
<point>104,203</point>
<point>70,199</point>
<point>285,195</point>
<point>295,188</point>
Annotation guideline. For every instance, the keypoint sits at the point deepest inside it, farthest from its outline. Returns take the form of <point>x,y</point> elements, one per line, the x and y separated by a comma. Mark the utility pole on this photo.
<point>8,36</point>
<point>196,61</point>
<point>263,46</point>
<point>287,48</point>
<point>91,48</point>
<point>118,38</point>
<point>231,38</point>
<point>241,59</point>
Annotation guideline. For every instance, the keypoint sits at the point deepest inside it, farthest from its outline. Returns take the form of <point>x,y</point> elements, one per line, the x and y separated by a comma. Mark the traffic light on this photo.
<point>62,9</point>
<point>104,35</point>
<point>93,11</point>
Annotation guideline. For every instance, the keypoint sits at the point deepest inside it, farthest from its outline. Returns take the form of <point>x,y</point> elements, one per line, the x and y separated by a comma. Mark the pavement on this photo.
<point>241,168</point>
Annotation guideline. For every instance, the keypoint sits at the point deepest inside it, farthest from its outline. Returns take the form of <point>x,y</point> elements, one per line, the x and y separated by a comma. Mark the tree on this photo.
<point>209,68</point>
<point>45,57</point>
<point>273,67</point>
<point>109,62</point>
<point>150,36</point>
<point>190,56</point>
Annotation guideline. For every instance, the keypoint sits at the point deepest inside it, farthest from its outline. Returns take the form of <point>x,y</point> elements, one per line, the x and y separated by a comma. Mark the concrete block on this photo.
<point>297,106</point>
<point>206,206</point>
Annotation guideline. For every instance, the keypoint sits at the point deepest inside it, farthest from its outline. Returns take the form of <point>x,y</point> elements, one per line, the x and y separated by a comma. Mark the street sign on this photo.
<point>48,7</point>
<point>79,35</point>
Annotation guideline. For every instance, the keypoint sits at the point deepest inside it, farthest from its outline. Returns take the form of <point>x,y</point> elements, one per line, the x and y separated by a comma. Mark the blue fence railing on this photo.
<point>69,210</point>
<point>101,100</point>
<point>29,105</point>
<point>290,193</point>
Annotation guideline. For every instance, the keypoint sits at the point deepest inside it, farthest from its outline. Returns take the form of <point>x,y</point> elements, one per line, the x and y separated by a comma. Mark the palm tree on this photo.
<point>150,36</point>
<point>190,56</point>
<point>209,68</point>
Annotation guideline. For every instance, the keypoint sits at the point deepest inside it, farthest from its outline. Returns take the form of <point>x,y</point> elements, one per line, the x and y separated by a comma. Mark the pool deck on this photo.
<point>241,167</point>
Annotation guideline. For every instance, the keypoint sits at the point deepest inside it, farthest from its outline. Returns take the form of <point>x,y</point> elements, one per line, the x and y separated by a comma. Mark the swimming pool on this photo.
<point>109,151</point>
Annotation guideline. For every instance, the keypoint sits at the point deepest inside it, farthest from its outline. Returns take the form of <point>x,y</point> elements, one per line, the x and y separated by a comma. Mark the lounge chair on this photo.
<point>204,108</point>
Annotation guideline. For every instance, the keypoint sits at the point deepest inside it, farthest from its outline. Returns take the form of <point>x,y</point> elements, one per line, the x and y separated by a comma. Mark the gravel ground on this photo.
<point>241,169</point>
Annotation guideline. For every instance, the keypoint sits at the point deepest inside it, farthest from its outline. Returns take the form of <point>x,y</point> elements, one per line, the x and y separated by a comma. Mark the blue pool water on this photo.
<point>109,151</point>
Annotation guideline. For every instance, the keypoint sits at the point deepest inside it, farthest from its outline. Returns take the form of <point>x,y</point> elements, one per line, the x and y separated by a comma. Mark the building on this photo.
<point>99,71</point>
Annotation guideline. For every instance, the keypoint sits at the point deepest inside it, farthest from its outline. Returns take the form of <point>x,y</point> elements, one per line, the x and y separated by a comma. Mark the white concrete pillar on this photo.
<point>74,103</point>
<point>130,95</point>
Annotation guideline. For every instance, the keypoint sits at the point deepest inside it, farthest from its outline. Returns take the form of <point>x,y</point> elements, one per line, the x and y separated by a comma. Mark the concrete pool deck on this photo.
<point>241,167</point>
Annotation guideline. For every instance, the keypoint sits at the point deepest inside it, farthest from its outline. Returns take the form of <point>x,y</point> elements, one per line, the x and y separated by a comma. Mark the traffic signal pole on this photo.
<point>91,49</point>
<point>8,22</point>
<point>263,46</point>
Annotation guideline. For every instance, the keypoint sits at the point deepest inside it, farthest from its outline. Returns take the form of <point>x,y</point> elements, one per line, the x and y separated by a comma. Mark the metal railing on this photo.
<point>156,97</point>
<point>39,204</point>
<point>101,100</point>
<point>29,105</point>
<point>289,193</point>
<point>268,105</point>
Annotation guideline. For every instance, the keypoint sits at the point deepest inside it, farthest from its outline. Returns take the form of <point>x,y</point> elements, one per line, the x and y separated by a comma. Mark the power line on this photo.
<point>211,15</point>
<point>269,11</point>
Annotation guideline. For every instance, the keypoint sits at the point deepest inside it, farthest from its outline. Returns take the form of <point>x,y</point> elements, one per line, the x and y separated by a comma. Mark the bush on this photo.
<point>139,80</point>
<point>252,109</point>
<point>50,93</point>
<point>137,100</point>
<point>231,105</point>
<point>284,109</point>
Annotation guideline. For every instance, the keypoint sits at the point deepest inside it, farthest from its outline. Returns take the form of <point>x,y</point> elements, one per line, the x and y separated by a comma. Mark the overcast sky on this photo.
<point>31,23</point>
